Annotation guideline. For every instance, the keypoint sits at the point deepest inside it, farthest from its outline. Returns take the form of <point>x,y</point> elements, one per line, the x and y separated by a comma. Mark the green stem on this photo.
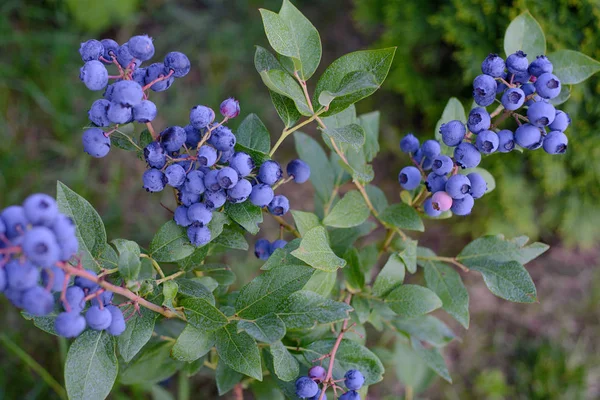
<point>170,277</point>
<point>288,132</point>
<point>183,387</point>
<point>451,260</point>
<point>154,264</point>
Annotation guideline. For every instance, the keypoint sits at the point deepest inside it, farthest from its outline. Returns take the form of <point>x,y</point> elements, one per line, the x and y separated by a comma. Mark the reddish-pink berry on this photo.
<point>441,201</point>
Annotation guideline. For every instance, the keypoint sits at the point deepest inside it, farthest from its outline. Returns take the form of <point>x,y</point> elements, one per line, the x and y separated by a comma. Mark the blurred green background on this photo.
<point>543,351</point>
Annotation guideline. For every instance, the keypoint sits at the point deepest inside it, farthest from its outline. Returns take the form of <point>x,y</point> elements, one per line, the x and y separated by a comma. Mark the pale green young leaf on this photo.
<point>509,280</point>
<point>426,328</point>
<point>351,83</point>
<point>321,282</point>
<point>433,358</point>
<point>390,276</point>
<point>315,251</point>
<point>282,83</point>
<point>253,134</point>
<point>152,365</point>
<point>311,152</point>
<point>350,211</point>
<point>412,301</point>
<point>370,123</point>
<point>525,33</point>
<point>402,216</point>
<point>573,67</point>
<point>305,221</point>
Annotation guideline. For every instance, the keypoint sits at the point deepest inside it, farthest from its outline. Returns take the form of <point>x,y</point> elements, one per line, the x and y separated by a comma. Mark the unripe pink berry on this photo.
<point>317,372</point>
<point>230,108</point>
<point>441,201</point>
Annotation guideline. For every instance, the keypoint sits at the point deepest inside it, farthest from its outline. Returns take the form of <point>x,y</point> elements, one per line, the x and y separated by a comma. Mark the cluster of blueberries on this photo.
<point>519,84</point>
<point>263,248</point>
<point>307,387</point>
<point>126,100</point>
<point>36,239</point>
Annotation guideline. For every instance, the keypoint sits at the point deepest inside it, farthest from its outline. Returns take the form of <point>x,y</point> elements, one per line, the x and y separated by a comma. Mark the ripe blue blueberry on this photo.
<point>222,138</point>
<point>484,90</point>
<point>479,120</point>
<point>435,182</point>
<point>118,114</point>
<point>211,181</point>
<point>299,170</point>
<point>270,172</point>
<point>541,114</point>
<point>453,132</point>
<point>555,143</point>
<point>125,58</point>
<point>186,198</point>
<point>21,276</point>
<point>97,112</point>
<point>431,148</point>
<point>529,136</point>
<point>350,395</point>
<point>155,155</point>
<point>242,163</point>
<point>240,192</point>
<point>68,248</point>
<point>141,47</point>
<point>63,227</point>
<point>178,63</point>
<point>227,178</point>
<point>110,49</point>
<point>506,141</point>
<point>261,195</point>
<point>442,165</point>
<point>318,395</point>
<point>487,142</point>
<point>198,235</point>
<point>539,66</point>
<point>529,89</point>
<point>40,209</point>
<point>14,220</point>
<point>409,143</point>
<point>173,138</point>
<point>117,324</point>
<point>98,318</point>
<point>207,156</point>
<point>187,162</point>
<point>513,99</point>
<point>192,136</point>
<point>230,108</point>
<point>278,244</point>
<point>429,210</point>
<point>155,71</point>
<point>279,205</point>
<point>478,185</point>
<point>317,372</point>
<point>94,75</point>
<point>126,93</point>
<point>306,387</point>
<point>40,246</point>
<point>37,301</point>
<point>547,86</point>
<point>501,87</point>
<point>199,214</point>
<point>69,324</point>
<point>214,200</point>
<point>467,156</point>
<point>3,280</point>
<point>517,63</point>
<point>144,112</point>
<point>74,297</point>
<point>194,182</point>
<point>462,206</point>
<point>561,121</point>
<point>14,296</point>
<point>493,65</point>
<point>180,216</point>
<point>225,156</point>
<point>354,379</point>
<point>85,283</point>
<point>139,76</point>
<point>154,180</point>
<point>108,92</point>
<point>175,175</point>
<point>262,249</point>
<point>458,186</point>
<point>91,50</point>
<point>104,298</point>
<point>201,116</point>
<point>409,177</point>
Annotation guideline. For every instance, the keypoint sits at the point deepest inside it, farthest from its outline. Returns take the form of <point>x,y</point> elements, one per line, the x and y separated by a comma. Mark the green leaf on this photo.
<point>348,212</point>
<point>232,238</point>
<point>264,293</point>
<point>351,83</point>
<point>350,355</point>
<point>145,138</point>
<point>169,291</point>
<point>226,378</point>
<point>305,221</point>
<point>454,110</point>
<point>525,33</point>
<point>170,243</point>
<point>304,308</point>
<point>285,365</point>
<point>203,315</point>
<point>282,83</point>
<point>195,259</point>
<point>375,62</point>
<point>153,364</point>
<point>283,256</point>
<point>426,328</point>
<point>315,251</point>
<point>313,154</point>
<point>497,248</point>
<point>219,272</point>
<point>370,123</point>
<point>217,224</point>
<point>192,344</point>
<point>563,96</point>
<point>91,366</point>
<point>407,251</point>
<point>321,282</point>
<point>412,301</point>
<point>411,370</point>
<point>377,198</point>
<point>487,177</point>
<point>124,140</point>
<point>402,216</point>
<point>129,265</point>
<point>90,231</point>
<point>253,134</point>
<point>573,67</point>
<point>390,276</point>
<point>343,238</point>
<point>246,214</point>
<point>268,328</point>
<point>355,277</point>
<point>137,334</point>
<point>195,288</point>
<point>433,358</point>
<point>509,281</point>
<point>122,245</point>
<point>239,351</point>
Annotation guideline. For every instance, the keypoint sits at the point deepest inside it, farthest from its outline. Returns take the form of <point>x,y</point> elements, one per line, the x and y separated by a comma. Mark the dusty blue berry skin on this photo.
<point>117,324</point>
<point>517,63</point>
<point>431,148</point>
<point>435,182</point>
<point>316,396</point>
<point>173,138</point>
<point>207,156</point>
<point>110,48</point>
<point>192,136</point>
<point>214,200</point>
<point>506,141</point>
<point>458,186</point>
<point>442,165</point>
<point>94,75</point>
<point>175,175</point>
<point>40,246</point>
<point>154,180</point>
<point>211,181</point>
<point>279,206</point>
<point>547,86</point>
<point>63,227</point>
<point>14,296</point>
<point>453,132</point>
<point>513,99</point>
<point>127,93</point>
<point>198,235</point>
<point>487,142</point>
<point>194,182</point>
<point>262,249</point>
<point>299,170</point>
<point>484,90</point>
<point>153,72</point>
<point>201,116</point>
<point>528,136</point>
<point>528,89</point>
<point>199,214</point>
<point>225,156</point>
<point>555,143</point>
<point>240,192</point>
<point>125,58</point>
<point>462,206</point>
<point>180,216</point>
<point>95,143</point>
<point>261,195</point>
<point>429,210</point>
<point>493,65</point>
<point>242,163</point>
<point>141,47</point>
<point>409,177</point>
<point>21,276</point>
<point>144,112</point>
<point>105,298</point>
<point>69,324</point>
<point>350,395</point>
<point>108,92</point>
<point>561,121</point>
<point>3,282</point>
<point>467,156</point>
<point>186,198</point>
<point>541,114</point>
<point>478,185</point>
<point>178,63</point>
<point>222,138</point>
<point>278,244</point>
<point>479,120</point>
<point>97,112</point>
<point>500,88</point>
<point>139,76</point>
<point>86,283</point>
<point>68,247</point>
<point>539,66</point>
<point>230,108</point>
<point>354,379</point>
<point>40,209</point>
<point>98,319</point>
<point>118,114</point>
<point>74,296</point>
<point>270,172</point>
<point>91,50</point>
<point>155,155</point>
<point>14,220</point>
<point>409,143</point>
<point>227,178</point>
<point>37,301</point>
<point>317,372</point>
<point>306,387</point>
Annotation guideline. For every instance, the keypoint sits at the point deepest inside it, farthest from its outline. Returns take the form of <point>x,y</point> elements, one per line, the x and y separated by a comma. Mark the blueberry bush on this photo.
<point>141,314</point>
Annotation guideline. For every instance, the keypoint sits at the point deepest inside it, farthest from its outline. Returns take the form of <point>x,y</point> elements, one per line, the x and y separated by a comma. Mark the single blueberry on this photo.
<point>299,170</point>
<point>513,99</point>
<point>354,379</point>
<point>317,372</point>
<point>462,206</point>
<point>529,136</point>
<point>175,175</point>
<point>198,235</point>
<point>279,206</point>
<point>306,387</point>
<point>479,120</point>
<point>94,75</point>
<point>41,247</point>
<point>125,58</point>
<point>230,108</point>
<point>21,276</point>
<point>180,216</point>
<point>85,283</point>
<point>141,47</point>
<point>75,299</point>
<point>222,138</point>
<point>155,155</point>
<point>547,86</point>
<point>431,148</point>
<point>555,143</point>
<point>117,325</point>
<point>429,210</point>
<point>453,132</point>
<point>539,66</point>
<point>178,63</point>
<point>493,65</point>
<point>173,138</point>
<point>144,112</point>
<point>69,324</point>
<point>119,114</point>
<point>409,143</point>
<point>561,121</point>
<point>193,136</point>
<point>458,186</point>
<point>194,182</point>
<point>261,195</point>
<point>442,165</point>
<point>98,318</point>
<point>517,63</point>
<point>127,93</point>
<point>409,177</point>
<point>199,214</point>
<point>227,178</point>
<point>211,181</point>
<point>262,249</point>
<point>40,209</point>
<point>270,172</point>
<point>242,163</point>
<point>154,180</point>
<point>155,71</point>
<point>91,50</point>
<point>97,113</point>
<point>466,155</point>
<point>541,114</point>
<point>15,221</point>
<point>240,192</point>
<point>487,142</point>
<point>435,182</point>
<point>478,185</point>
<point>201,116</point>
<point>214,200</point>
<point>110,49</point>
<point>207,156</point>
<point>186,198</point>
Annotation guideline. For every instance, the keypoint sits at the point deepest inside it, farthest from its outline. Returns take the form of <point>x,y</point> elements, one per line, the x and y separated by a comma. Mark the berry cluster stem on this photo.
<point>451,260</point>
